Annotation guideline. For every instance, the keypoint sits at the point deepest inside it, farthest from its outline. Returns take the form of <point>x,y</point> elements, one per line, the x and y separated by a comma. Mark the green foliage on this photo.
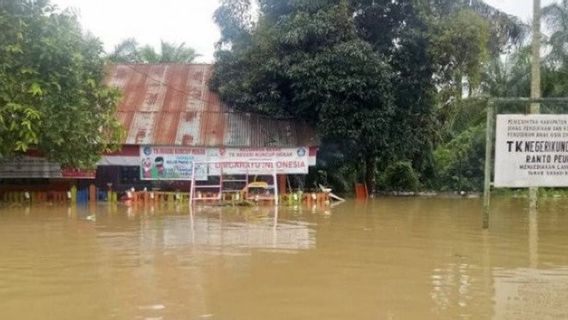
<point>459,116</point>
<point>556,17</point>
<point>400,176</point>
<point>460,162</point>
<point>366,73</point>
<point>336,168</point>
<point>508,76</point>
<point>555,67</point>
<point>459,47</point>
<point>305,61</point>
<point>128,51</point>
<point>52,95</point>
<point>234,18</point>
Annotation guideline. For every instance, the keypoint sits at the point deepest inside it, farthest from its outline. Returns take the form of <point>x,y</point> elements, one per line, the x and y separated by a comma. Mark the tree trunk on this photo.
<point>459,86</point>
<point>370,173</point>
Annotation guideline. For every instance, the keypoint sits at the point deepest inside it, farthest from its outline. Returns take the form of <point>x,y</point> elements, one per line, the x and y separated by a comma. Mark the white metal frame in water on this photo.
<point>219,186</point>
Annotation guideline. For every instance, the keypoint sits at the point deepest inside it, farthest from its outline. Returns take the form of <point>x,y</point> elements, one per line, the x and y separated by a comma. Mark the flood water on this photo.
<point>385,259</point>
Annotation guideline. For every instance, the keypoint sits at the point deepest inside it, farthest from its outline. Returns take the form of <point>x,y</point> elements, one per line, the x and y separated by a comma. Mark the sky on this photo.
<point>520,8</point>
<point>188,21</point>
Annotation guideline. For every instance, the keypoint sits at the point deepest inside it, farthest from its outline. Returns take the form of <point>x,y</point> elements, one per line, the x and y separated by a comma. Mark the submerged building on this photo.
<point>172,120</point>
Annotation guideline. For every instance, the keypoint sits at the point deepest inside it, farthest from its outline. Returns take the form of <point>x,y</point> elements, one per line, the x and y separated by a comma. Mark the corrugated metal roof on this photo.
<point>171,104</point>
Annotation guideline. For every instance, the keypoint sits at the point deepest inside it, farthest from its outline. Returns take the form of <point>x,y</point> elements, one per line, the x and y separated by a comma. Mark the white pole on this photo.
<point>221,184</point>
<point>192,187</point>
<point>275,183</point>
<point>535,79</point>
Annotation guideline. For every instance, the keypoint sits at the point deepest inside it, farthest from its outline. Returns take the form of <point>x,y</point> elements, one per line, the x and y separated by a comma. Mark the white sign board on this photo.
<point>531,151</point>
<point>258,161</point>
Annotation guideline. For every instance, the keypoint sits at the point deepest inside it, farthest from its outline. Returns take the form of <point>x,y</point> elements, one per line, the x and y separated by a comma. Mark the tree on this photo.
<point>505,30</point>
<point>556,17</point>
<point>126,51</point>
<point>398,31</point>
<point>364,72</point>
<point>129,51</point>
<point>305,61</point>
<point>52,96</point>
<point>459,48</point>
<point>234,18</point>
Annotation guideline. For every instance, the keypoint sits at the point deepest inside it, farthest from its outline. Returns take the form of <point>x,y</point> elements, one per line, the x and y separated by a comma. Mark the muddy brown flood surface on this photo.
<point>389,258</point>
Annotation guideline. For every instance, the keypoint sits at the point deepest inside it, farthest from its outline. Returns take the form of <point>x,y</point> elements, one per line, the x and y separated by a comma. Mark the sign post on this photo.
<point>488,150</point>
<point>530,149</point>
<point>535,80</point>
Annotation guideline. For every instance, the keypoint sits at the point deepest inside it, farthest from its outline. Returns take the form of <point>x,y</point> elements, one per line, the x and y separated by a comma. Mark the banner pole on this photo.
<point>192,186</point>
<point>275,183</point>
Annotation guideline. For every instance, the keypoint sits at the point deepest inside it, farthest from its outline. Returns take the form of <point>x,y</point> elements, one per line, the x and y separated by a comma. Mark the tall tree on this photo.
<point>126,51</point>
<point>129,51</point>
<point>397,30</point>
<point>305,61</point>
<point>459,47</point>
<point>310,60</point>
<point>556,17</point>
<point>52,96</point>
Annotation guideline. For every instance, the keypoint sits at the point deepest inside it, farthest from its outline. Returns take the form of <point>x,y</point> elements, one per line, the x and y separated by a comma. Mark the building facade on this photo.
<point>172,119</point>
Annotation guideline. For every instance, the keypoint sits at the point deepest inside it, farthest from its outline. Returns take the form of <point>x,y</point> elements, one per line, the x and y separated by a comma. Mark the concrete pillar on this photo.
<point>282,183</point>
<point>74,195</point>
<point>92,193</point>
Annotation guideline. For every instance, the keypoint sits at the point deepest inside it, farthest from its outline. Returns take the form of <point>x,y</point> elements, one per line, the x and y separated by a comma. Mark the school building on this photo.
<point>172,120</point>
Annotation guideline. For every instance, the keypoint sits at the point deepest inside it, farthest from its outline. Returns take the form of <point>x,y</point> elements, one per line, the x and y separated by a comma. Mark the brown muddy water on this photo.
<point>384,259</point>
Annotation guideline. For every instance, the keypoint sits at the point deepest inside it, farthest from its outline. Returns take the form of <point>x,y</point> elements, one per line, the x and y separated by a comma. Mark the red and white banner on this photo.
<point>259,160</point>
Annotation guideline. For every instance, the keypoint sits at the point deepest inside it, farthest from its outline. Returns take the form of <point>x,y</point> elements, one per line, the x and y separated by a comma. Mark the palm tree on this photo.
<point>556,17</point>
<point>149,55</point>
<point>128,51</point>
<point>508,76</point>
<point>171,52</point>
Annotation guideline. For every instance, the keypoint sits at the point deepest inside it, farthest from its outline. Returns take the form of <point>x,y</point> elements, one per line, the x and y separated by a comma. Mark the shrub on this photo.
<point>400,176</point>
<point>460,163</point>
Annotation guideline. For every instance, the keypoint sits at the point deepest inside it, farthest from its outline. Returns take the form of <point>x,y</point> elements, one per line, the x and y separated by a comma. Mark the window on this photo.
<point>129,175</point>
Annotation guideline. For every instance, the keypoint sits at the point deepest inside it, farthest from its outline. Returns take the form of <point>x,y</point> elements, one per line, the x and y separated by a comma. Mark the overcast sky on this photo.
<point>188,21</point>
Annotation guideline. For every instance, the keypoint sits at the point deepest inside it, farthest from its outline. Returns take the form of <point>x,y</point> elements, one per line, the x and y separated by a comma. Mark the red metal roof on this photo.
<point>171,104</point>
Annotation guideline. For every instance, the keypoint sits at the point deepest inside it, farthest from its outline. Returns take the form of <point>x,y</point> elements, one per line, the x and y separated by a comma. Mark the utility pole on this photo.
<point>535,79</point>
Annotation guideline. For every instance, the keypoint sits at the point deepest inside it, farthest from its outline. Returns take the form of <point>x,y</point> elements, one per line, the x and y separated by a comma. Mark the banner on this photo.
<point>176,163</point>
<point>171,163</point>
<point>258,161</point>
<point>531,151</point>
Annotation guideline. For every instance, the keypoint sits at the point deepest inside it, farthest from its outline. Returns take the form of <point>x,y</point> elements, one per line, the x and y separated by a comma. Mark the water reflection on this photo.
<point>531,294</point>
<point>238,229</point>
<point>382,259</point>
